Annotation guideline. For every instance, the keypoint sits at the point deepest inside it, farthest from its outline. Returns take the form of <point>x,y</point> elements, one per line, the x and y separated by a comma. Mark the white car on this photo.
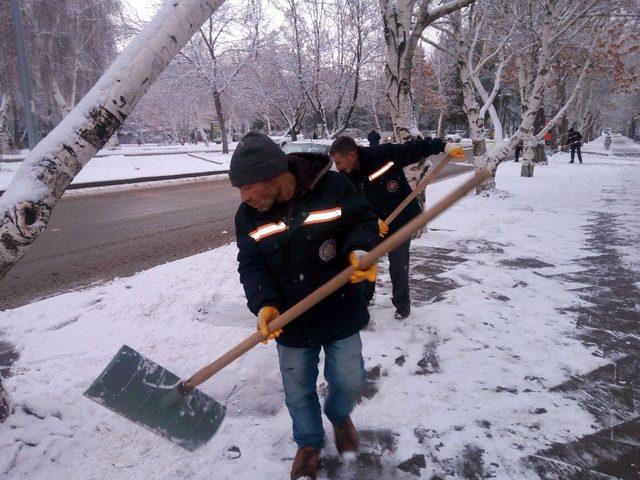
<point>452,137</point>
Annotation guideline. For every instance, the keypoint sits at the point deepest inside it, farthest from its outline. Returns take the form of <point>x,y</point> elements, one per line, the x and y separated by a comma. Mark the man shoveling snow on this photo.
<point>298,226</point>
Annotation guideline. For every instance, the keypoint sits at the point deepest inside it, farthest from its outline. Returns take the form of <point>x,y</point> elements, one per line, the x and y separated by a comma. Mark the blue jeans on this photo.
<point>344,372</point>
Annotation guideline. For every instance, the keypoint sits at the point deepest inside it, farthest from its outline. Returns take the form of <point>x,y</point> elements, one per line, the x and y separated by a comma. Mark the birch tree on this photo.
<point>543,27</point>
<point>614,74</point>
<point>26,206</point>
<point>404,23</point>
<point>462,38</point>
<point>587,29</point>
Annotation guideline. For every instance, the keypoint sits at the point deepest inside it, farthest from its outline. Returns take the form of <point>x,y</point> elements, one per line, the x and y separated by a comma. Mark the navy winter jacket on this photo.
<point>289,251</point>
<point>382,179</point>
<point>574,138</point>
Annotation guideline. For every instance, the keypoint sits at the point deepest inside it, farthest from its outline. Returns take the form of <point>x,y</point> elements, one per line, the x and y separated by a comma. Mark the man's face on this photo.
<point>346,162</point>
<point>259,195</point>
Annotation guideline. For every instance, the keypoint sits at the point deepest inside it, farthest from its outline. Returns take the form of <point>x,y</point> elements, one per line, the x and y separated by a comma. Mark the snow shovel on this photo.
<point>153,397</point>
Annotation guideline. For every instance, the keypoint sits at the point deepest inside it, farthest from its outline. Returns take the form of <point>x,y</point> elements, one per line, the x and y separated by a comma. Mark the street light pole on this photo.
<point>25,76</point>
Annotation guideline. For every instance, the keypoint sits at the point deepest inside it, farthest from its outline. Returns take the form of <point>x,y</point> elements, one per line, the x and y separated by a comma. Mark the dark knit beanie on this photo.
<point>257,158</point>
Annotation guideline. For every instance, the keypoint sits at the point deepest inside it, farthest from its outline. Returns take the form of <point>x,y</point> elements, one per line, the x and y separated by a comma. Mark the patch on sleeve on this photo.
<point>392,186</point>
<point>328,250</point>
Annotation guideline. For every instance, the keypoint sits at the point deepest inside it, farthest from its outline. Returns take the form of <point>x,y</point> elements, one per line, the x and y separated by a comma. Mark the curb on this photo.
<point>125,181</point>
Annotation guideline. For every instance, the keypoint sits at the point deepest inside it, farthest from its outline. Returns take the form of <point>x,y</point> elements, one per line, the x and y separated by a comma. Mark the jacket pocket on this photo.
<point>320,248</point>
<point>273,252</point>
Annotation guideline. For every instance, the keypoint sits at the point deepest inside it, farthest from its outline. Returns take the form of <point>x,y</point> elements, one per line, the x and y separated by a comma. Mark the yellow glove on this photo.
<point>360,275</point>
<point>455,150</point>
<point>265,316</point>
<point>383,228</point>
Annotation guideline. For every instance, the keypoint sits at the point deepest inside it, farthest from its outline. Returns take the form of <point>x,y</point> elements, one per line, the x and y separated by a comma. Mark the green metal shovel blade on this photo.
<point>134,387</point>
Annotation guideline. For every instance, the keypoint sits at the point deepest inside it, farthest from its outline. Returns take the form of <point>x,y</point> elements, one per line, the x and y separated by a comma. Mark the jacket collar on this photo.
<point>308,169</point>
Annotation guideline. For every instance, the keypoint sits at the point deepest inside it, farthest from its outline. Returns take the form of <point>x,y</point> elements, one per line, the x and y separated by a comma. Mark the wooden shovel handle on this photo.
<point>431,174</point>
<point>389,244</point>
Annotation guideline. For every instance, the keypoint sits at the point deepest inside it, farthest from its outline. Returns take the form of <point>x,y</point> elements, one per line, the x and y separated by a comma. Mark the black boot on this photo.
<point>403,312</point>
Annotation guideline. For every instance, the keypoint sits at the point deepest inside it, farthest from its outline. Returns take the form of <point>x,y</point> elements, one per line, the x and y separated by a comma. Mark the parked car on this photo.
<point>283,139</point>
<point>300,147</point>
<point>452,137</point>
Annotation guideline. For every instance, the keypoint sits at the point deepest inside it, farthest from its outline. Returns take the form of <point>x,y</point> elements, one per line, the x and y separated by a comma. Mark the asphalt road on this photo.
<point>95,238</point>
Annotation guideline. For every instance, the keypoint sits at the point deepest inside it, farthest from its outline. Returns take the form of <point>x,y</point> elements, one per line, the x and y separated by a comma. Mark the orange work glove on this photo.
<point>265,316</point>
<point>455,150</point>
<point>383,228</point>
<point>369,274</point>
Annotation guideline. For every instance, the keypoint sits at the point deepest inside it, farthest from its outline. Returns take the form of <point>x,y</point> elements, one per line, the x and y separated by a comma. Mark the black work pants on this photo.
<point>518,152</point>
<point>399,271</point>
<point>574,149</point>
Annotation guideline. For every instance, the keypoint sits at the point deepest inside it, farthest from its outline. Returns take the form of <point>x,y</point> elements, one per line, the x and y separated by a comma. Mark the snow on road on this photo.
<point>465,379</point>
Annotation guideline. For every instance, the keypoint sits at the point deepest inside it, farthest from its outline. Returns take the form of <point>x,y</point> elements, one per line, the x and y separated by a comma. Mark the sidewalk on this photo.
<point>620,146</point>
<point>519,360</point>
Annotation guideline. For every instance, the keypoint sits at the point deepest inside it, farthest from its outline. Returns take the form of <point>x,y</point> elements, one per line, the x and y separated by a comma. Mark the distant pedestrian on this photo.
<point>518,151</point>
<point>574,140</point>
<point>374,138</point>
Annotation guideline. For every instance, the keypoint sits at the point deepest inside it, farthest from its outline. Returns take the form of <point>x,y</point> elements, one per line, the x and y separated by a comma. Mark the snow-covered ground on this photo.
<point>470,372</point>
<point>120,166</point>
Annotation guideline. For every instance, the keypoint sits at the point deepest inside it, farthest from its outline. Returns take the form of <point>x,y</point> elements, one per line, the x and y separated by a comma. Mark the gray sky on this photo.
<point>144,8</point>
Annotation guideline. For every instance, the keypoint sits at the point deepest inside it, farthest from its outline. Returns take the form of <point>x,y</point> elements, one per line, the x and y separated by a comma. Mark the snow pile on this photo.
<point>596,146</point>
<point>620,146</point>
<point>467,373</point>
<point>156,148</point>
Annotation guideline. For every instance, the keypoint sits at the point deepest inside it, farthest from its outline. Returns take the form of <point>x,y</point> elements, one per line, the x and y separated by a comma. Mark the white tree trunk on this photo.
<point>5,103</point>
<point>400,49</point>
<point>113,142</point>
<point>440,128</point>
<point>5,403</point>
<point>402,34</point>
<point>203,135</point>
<point>528,157</point>
<point>475,119</point>
<point>376,119</point>
<point>63,107</point>
<point>27,204</point>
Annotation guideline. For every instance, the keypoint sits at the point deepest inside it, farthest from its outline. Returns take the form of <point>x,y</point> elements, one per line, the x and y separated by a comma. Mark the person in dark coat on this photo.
<point>378,173</point>
<point>518,151</point>
<point>374,138</point>
<point>574,140</point>
<point>299,225</point>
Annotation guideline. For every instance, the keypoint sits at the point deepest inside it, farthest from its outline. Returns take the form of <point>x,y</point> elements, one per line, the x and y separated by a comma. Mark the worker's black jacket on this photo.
<point>382,179</point>
<point>574,138</point>
<point>289,251</point>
